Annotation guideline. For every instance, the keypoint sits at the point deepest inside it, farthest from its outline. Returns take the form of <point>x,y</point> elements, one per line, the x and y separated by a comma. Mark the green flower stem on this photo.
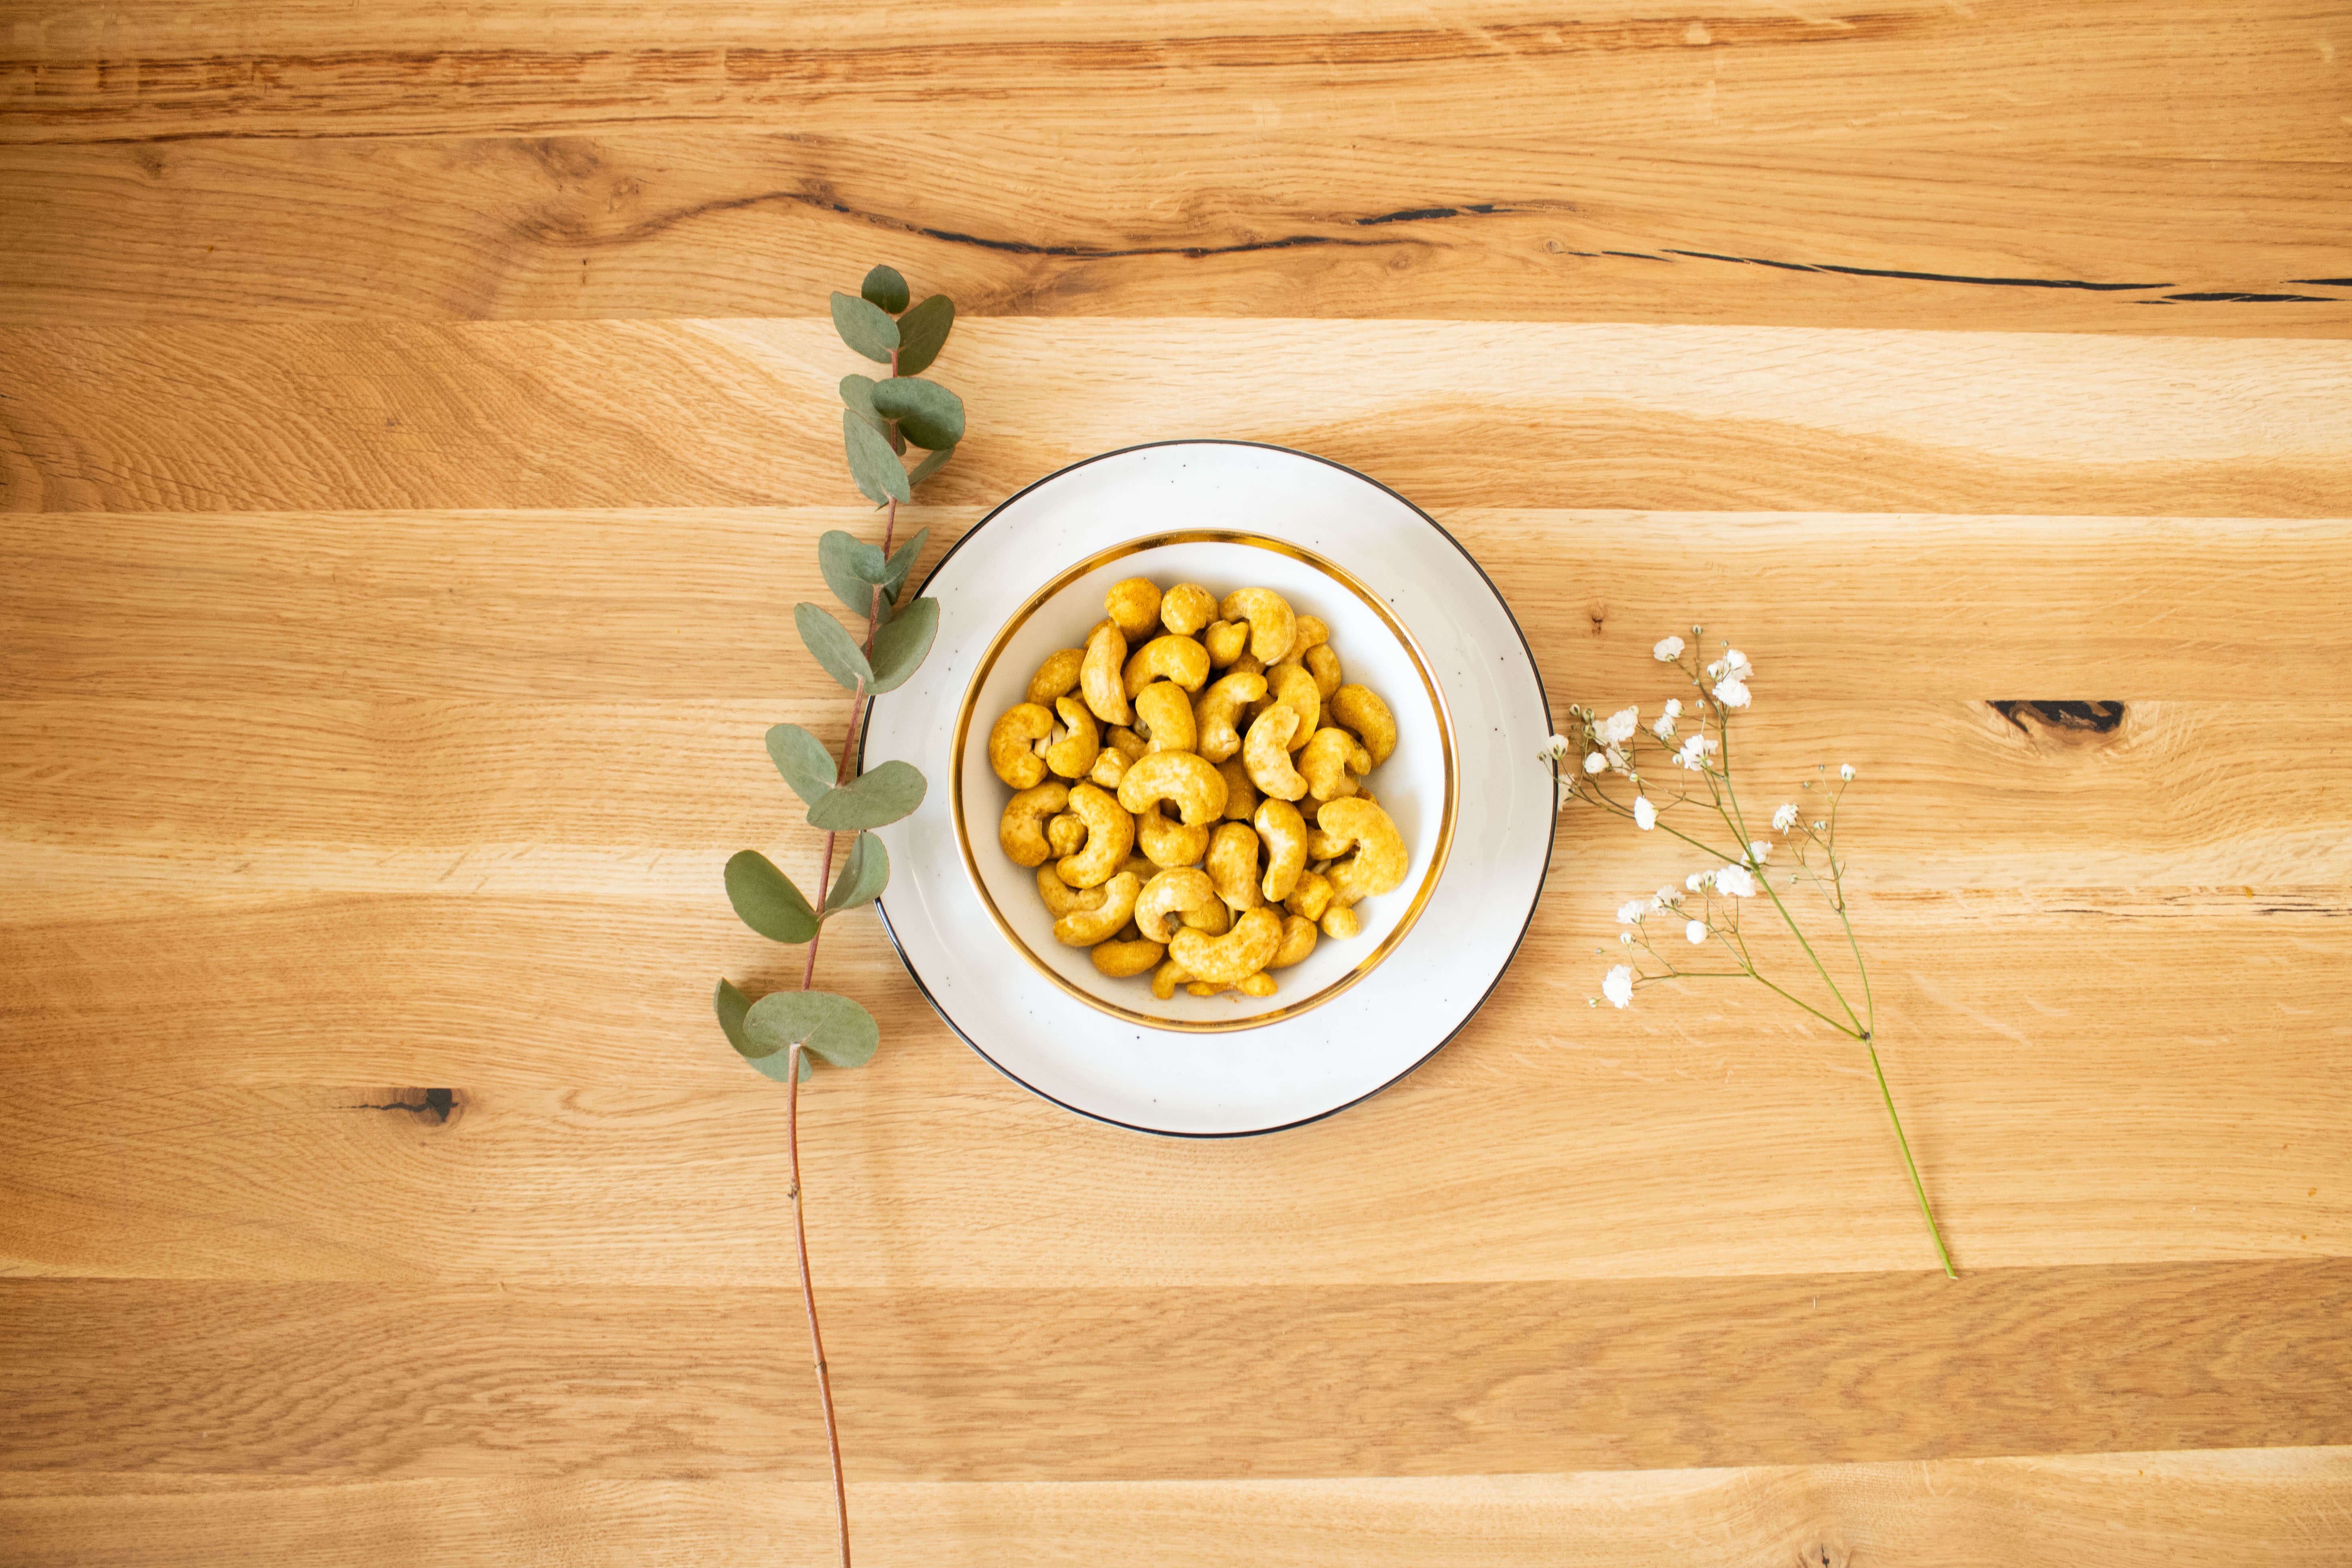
<point>1734,820</point>
<point>808,1296</point>
<point>1917,1185</point>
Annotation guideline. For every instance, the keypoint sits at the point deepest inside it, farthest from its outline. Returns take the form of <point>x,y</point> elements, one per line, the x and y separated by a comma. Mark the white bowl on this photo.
<point>1418,785</point>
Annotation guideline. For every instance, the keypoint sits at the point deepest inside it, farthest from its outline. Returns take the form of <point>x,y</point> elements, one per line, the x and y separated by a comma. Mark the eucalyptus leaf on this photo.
<point>899,648</point>
<point>804,761</point>
<point>922,333</point>
<point>857,395</point>
<point>730,1005</point>
<point>874,799</point>
<point>863,876</point>
<point>830,1027</point>
<point>930,416</point>
<point>880,476</point>
<point>833,647</point>
<point>863,326</point>
<point>767,901</point>
<point>903,559</point>
<point>886,288</point>
<point>853,569</point>
<point>932,464</point>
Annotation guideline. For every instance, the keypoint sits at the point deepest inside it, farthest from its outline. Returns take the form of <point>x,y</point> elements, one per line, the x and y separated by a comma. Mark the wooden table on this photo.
<point>416,424</point>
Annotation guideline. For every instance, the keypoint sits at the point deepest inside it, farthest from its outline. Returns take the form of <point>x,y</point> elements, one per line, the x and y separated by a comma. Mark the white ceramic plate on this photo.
<point>1356,1016</point>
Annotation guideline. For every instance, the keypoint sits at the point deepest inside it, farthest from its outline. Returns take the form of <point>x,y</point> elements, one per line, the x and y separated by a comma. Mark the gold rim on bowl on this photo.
<point>1345,579</point>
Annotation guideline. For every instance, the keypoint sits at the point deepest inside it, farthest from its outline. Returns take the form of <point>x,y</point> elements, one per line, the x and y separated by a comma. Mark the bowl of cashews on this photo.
<point>1204,781</point>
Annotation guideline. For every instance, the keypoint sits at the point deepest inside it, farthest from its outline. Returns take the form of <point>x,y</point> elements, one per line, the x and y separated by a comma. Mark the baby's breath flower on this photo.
<point>1553,750</point>
<point>1736,880</point>
<point>1618,985</point>
<point>1731,692</point>
<point>1674,707</point>
<point>1695,932</point>
<point>1845,772</point>
<point>1692,754</point>
<point>1758,851</point>
<point>1626,937</point>
<point>1668,650</point>
<point>1594,762</point>
<point>1622,725</point>
<point>1631,910</point>
<point>1785,818</point>
<point>1665,729</point>
<point>1645,815</point>
<point>1698,880</point>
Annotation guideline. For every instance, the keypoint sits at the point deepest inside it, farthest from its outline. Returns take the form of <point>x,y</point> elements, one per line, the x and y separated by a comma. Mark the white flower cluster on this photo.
<point>1730,675</point>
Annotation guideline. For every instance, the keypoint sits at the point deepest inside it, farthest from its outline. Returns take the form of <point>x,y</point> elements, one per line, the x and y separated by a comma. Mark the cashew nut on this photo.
<point>1083,928</point>
<point>1298,941</point>
<point>1121,956</point>
<point>1186,608</point>
<point>1166,843</point>
<point>1225,640</point>
<point>1330,763</point>
<point>1170,657</point>
<point>1099,675</point>
<point>1110,766</point>
<point>1133,606</point>
<point>1285,833</point>
<point>1380,861</point>
<point>1169,975</point>
<point>1241,795</point>
<point>1258,984</point>
<point>1009,754</point>
<point>1323,666</point>
<point>1211,919</point>
<point>1232,865</point>
<point>1322,848</point>
<point>1064,833</point>
<point>1185,777</point>
<point>1360,710</point>
<point>1225,960</point>
<point>1074,752</point>
<point>1291,686</point>
<point>1339,922</point>
<point>1061,899</point>
<point>1214,713</point>
<point>1111,834</point>
<point>1184,888</point>
<point>1266,751</point>
<point>1248,664</point>
<point>1022,829</point>
<point>1311,897</point>
<point>1274,627</point>
<point>1130,745</point>
<point>1057,677</point>
<point>1312,633</point>
<point>1140,864</point>
<point>1164,715</point>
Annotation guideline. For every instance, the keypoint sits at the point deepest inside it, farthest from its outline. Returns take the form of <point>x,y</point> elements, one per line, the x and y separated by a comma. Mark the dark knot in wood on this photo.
<point>439,1106</point>
<point>2083,717</point>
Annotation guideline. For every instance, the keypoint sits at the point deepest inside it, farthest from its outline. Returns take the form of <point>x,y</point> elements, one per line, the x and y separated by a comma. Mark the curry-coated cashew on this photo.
<point>1186,608</point>
<point>1225,960</point>
<point>1128,745</point>
<point>1258,984</point>
<point>1213,715</point>
<point>1185,778</point>
<point>1140,864</point>
<point>1323,666</point>
<point>1133,606</point>
<point>1123,956</point>
<point>1339,922</point>
<point>1274,627</point>
<point>1298,941</point>
<point>1009,744</point>
<point>1291,686</point>
<point>1169,976</point>
<point>1022,829</point>
<point>1170,893</point>
<point>1232,865</point>
<point>1284,835</point>
<point>1311,897</point>
<point>1213,919</point>
<point>1170,657</point>
<point>1065,832</point>
<point>1074,752</point>
<point>1163,716</point>
<point>1380,860</point>
<point>1330,763</point>
<point>1360,710</point>
<point>1266,751</point>
<point>1083,928</point>
<point>1166,843</point>
<point>1110,766</point>
<point>1061,899</point>
<point>1225,640</point>
<point>1241,795</point>
<point>1099,675</point>
<point>1322,847</point>
<point>1111,834</point>
<point>1312,633</point>
<point>1057,677</point>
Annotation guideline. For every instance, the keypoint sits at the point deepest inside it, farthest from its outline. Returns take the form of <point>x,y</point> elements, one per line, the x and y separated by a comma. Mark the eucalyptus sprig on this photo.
<point>785,1032</point>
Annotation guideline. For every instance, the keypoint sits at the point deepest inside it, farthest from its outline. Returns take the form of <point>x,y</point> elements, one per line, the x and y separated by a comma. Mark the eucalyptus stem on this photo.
<point>1934,1231</point>
<point>808,1300</point>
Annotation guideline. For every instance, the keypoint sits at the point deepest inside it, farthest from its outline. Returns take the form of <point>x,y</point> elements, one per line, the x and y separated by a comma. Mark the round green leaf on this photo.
<point>903,559</point>
<point>922,332</point>
<point>884,287</point>
<point>870,800</point>
<point>880,476</point>
<point>832,647</point>
<point>899,647</point>
<point>767,899</point>
<point>804,761</point>
<point>853,569</point>
<point>931,415</point>
<point>730,1005</point>
<point>864,327</point>
<point>932,464</point>
<point>863,876</point>
<point>857,395</point>
<point>830,1027</point>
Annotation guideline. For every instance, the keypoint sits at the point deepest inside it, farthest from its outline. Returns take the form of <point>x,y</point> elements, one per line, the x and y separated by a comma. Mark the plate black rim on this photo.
<point>1551,839</point>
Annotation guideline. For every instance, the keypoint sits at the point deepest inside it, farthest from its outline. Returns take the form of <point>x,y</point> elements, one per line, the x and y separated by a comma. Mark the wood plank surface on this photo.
<point>415,422</point>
